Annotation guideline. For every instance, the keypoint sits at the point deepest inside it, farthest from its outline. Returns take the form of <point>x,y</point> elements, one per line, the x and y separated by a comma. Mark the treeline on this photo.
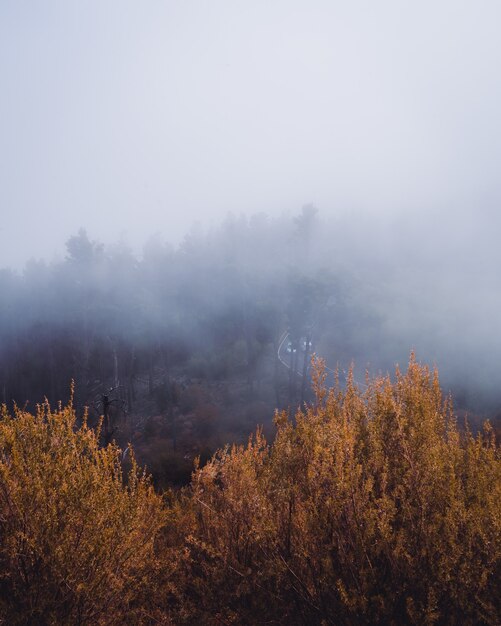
<point>367,508</point>
<point>177,347</point>
<point>216,305</point>
<point>105,317</point>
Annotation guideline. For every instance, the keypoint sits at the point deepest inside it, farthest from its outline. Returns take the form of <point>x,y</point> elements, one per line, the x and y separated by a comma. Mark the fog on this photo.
<point>368,290</point>
<point>190,346</point>
<point>188,188</point>
<point>130,119</point>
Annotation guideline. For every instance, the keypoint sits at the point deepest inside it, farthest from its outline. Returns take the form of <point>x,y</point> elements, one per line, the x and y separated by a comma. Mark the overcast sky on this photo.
<point>135,117</point>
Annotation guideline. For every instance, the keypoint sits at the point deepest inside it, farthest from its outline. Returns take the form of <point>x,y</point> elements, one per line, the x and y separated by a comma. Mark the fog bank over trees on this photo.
<point>382,288</point>
<point>179,347</point>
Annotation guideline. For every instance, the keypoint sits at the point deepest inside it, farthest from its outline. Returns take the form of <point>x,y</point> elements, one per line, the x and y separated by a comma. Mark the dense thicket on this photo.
<point>370,507</point>
<point>76,535</point>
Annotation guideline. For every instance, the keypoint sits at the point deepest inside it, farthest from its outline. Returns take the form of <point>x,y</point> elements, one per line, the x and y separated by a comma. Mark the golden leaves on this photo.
<point>74,535</point>
<point>372,507</point>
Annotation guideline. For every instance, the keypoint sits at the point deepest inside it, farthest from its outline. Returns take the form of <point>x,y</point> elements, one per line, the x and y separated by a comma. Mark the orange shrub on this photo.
<point>373,508</point>
<point>76,540</point>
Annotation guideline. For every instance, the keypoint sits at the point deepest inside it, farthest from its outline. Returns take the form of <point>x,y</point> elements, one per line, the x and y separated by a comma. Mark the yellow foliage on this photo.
<point>76,536</point>
<point>372,508</point>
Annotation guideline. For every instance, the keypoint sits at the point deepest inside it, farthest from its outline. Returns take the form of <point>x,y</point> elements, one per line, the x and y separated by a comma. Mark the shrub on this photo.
<point>373,508</point>
<point>76,538</point>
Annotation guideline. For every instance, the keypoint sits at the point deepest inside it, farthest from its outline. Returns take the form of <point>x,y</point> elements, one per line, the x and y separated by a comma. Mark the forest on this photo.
<point>180,346</point>
<point>131,492</point>
<point>250,339</point>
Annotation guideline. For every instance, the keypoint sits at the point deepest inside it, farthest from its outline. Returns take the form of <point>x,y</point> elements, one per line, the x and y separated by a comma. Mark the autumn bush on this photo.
<point>76,535</point>
<point>371,507</point>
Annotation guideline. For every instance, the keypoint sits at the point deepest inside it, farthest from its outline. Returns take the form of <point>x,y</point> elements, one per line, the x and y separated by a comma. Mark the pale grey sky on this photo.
<point>130,118</point>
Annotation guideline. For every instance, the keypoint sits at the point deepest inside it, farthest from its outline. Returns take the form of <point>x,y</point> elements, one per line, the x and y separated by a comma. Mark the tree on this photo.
<point>82,250</point>
<point>306,223</point>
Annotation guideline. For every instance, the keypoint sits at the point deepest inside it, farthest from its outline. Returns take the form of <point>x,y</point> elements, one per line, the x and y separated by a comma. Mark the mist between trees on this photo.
<point>178,346</point>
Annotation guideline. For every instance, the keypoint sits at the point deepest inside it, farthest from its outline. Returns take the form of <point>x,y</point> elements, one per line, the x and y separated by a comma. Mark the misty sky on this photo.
<point>130,118</point>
